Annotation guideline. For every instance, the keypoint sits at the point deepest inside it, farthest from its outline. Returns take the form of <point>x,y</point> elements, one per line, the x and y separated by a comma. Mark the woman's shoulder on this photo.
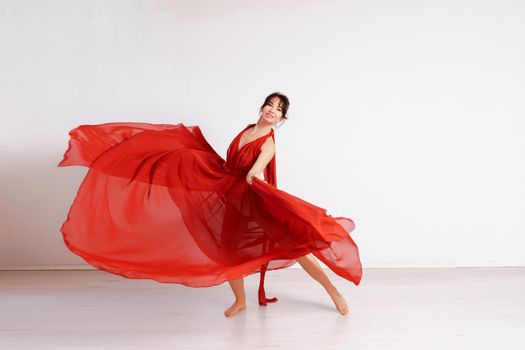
<point>268,144</point>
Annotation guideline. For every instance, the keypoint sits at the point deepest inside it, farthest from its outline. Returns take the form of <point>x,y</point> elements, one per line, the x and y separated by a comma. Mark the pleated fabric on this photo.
<point>158,202</point>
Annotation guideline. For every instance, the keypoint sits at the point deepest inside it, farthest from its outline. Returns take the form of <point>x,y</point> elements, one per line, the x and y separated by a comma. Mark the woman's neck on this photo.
<point>262,128</point>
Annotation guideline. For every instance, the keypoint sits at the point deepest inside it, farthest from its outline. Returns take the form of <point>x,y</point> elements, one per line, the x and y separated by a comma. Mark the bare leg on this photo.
<point>314,269</point>
<point>237,286</point>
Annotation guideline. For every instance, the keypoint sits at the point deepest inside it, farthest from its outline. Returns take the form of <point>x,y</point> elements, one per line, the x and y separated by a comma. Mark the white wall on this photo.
<point>406,116</point>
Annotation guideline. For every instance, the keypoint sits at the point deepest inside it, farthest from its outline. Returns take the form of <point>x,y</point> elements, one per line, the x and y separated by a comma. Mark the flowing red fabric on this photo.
<point>158,202</point>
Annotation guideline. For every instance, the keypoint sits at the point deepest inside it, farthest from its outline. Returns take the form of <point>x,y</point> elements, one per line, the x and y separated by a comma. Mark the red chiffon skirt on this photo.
<point>158,202</point>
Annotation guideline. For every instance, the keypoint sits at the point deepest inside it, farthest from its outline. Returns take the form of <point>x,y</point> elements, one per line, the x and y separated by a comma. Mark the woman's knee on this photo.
<point>304,258</point>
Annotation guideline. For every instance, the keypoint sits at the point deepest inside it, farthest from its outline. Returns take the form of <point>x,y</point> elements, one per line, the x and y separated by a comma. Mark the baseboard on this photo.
<point>367,266</point>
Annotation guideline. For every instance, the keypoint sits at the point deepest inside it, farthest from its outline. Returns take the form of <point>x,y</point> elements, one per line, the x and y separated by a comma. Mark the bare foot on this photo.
<point>340,303</point>
<point>235,308</point>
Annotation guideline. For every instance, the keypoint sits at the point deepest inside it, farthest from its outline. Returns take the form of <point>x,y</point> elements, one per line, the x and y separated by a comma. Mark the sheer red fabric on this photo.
<point>158,202</point>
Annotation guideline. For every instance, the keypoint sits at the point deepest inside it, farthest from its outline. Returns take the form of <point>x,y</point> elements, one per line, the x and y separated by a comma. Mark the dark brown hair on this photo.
<point>285,103</point>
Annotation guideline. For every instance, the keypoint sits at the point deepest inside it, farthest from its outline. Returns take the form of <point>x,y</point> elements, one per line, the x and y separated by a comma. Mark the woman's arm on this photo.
<point>267,152</point>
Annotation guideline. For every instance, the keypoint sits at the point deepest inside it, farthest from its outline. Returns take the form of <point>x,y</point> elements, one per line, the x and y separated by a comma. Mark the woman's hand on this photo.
<point>251,175</point>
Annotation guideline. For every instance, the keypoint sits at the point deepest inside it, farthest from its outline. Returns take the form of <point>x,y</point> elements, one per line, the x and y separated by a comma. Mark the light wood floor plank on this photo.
<point>462,308</point>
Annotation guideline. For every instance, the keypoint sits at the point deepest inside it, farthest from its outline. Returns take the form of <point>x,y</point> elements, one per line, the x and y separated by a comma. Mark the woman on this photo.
<point>158,202</point>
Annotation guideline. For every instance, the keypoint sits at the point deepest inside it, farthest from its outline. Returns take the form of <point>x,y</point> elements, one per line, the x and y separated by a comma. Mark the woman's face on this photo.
<point>272,111</point>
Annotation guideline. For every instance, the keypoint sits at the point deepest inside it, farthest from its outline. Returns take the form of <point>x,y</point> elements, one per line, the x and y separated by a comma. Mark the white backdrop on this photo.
<point>406,116</point>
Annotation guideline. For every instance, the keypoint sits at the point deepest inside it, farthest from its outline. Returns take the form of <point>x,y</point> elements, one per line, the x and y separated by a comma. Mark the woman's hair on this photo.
<point>285,103</point>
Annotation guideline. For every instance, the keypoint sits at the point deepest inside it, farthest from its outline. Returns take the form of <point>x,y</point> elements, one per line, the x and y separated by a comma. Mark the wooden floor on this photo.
<point>463,308</point>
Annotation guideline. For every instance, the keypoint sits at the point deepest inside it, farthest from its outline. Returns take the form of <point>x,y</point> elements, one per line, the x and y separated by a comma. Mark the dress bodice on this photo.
<point>240,160</point>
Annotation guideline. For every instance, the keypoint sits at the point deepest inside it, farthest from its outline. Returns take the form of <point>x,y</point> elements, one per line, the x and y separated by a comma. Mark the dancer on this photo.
<point>158,202</point>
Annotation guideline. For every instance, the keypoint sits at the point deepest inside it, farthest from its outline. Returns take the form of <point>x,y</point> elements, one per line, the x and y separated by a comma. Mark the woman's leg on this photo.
<point>237,286</point>
<point>314,269</point>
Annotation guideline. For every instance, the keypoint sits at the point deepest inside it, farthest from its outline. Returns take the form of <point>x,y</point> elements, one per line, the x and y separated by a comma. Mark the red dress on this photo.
<point>158,202</point>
